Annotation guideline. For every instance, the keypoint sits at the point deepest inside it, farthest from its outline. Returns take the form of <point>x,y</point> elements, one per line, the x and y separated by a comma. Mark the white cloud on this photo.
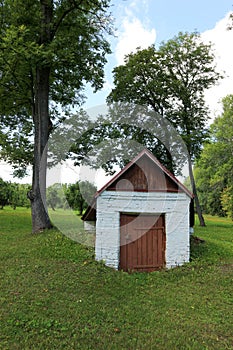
<point>133,33</point>
<point>108,86</point>
<point>222,42</point>
<point>138,5</point>
<point>6,173</point>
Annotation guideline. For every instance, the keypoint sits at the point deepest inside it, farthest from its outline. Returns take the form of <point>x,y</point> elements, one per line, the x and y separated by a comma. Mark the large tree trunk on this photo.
<point>40,217</point>
<point>196,199</point>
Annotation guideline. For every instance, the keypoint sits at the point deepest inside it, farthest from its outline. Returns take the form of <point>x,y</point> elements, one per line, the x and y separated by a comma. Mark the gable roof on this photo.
<point>90,212</point>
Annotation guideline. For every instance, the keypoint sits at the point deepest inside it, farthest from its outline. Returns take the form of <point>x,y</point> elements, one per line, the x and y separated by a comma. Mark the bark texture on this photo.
<point>42,124</point>
<point>196,199</point>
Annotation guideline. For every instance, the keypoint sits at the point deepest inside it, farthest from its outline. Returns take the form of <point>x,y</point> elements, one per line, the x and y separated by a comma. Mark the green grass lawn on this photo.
<point>53,295</point>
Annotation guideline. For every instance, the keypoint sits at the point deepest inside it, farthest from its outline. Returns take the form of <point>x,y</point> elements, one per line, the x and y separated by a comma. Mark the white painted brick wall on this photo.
<point>175,206</point>
<point>90,226</point>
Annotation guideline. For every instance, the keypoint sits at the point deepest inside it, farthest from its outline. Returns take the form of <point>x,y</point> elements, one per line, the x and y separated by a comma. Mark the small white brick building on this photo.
<point>142,218</point>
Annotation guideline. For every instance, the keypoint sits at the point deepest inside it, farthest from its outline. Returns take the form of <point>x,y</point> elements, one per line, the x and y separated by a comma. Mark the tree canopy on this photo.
<point>214,169</point>
<point>172,80</point>
<point>13,194</point>
<point>77,195</point>
<point>49,50</point>
<point>74,52</point>
<point>80,194</point>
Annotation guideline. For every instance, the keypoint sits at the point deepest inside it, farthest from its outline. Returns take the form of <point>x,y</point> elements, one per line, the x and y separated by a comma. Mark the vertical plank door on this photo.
<point>143,242</point>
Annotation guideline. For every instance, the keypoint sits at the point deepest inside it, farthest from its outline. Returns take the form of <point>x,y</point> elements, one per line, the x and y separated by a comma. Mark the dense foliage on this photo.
<point>171,80</point>
<point>59,196</point>
<point>76,196</point>
<point>49,51</point>
<point>214,169</point>
<point>13,194</point>
<point>74,53</point>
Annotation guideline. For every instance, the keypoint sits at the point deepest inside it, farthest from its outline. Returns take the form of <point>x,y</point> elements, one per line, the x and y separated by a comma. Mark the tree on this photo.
<point>18,195</point>
<point>116,137</point>
<point>209,191</point>
<point>56,196</point>
<point>227,201</point>
<point>80,194</point>
<point>48,50</point>
<point>172,81</point>
<point>214,169</point>
<point>4,193</point>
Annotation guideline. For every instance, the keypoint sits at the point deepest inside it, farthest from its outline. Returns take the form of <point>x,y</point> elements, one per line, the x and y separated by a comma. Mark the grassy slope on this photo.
<point>53,294</point>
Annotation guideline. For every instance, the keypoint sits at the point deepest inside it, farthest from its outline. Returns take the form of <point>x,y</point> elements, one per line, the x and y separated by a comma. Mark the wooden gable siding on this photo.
<point>144,176</point>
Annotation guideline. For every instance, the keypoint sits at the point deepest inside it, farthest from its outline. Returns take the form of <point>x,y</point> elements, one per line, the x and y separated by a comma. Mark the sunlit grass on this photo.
<point>53,294</point>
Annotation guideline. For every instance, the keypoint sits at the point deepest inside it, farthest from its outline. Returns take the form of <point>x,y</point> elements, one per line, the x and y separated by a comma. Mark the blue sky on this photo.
<point>146,22</point>
<point>171,16</point>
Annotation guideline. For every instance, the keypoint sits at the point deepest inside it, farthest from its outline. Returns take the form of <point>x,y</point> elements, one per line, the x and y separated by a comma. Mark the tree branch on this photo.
<point>63,15</point>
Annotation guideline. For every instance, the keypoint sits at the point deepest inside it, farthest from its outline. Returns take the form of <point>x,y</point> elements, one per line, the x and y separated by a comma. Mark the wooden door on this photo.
<point>143,242</point>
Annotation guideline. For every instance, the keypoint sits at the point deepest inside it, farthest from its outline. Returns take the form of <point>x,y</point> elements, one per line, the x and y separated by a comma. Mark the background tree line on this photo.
<point>59,196</point>
<point>76,196</point>
<point>214,169</point>
<point>13,194</point>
